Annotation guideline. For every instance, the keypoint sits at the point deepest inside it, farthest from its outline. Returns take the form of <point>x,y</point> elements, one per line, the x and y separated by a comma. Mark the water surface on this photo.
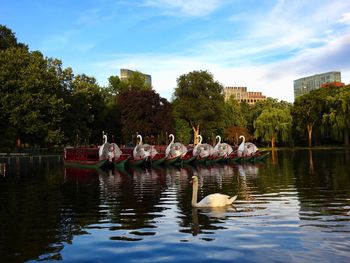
<point>295,207</point>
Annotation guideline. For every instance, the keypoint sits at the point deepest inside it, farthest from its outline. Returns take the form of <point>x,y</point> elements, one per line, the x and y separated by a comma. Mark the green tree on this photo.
<point>307,112</point>
<point>338,112</point>
<point>198,99</point>
<point>272,123</point>
<point>115,85</point>
<point>233,114</point>
<point>183,131</point>
<point>31,97</point>
<point>8,39</point>
<point>85,116</point>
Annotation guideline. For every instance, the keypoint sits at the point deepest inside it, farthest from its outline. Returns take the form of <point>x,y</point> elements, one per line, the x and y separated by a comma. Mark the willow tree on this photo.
<point>338,113</point>
<point>273,123</point>
<point>199,101</point>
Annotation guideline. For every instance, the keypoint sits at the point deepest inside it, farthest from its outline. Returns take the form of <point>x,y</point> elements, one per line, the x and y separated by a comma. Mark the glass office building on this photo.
<point>305,85</point>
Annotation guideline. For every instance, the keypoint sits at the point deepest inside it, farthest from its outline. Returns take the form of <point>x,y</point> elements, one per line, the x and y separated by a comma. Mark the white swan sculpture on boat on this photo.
<point>246,148</point>
<point>143,151</point>
<point>175,149</point>
<point>202,150</point>
<point>212,200</point>
<point>222,149</point>
<point>108,150</point>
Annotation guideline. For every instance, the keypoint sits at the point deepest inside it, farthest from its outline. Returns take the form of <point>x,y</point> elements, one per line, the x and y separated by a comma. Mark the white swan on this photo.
<point>246,148</point>
<point>100,150</point>
<point>175,149</point>
<point>202,149</point>
<point>143,151</point>
<point>212,200</point>
<point>222,149</point>
<point>107,150</point>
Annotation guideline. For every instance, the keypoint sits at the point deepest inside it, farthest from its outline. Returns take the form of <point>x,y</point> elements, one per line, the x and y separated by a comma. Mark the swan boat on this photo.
<point>109,155</point>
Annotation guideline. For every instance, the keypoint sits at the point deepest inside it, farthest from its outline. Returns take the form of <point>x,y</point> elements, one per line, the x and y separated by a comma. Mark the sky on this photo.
<point>260,44</point>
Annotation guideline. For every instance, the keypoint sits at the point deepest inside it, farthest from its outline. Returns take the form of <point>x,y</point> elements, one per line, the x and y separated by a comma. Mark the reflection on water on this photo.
<point>293,208</point>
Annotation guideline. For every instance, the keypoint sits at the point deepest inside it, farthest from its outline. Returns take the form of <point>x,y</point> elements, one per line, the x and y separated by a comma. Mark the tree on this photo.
<point>85,117</point>
<point>233,114</point>
<point>115,85</point>
<point>307,112</point>
<point>8,39</point>
<point>273,123</point>
<point>232,134</point>
<point>30,96</point>
<point>144,112</point>
<point>183,131</point>
<point>198,99</point>
<point>338,112</point>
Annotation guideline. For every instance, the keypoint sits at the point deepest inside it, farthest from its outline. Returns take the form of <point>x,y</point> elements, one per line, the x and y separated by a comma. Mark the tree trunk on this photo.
<point>195,134</point>
<point>346,138</point>
<point>273,142</point>
<point>309,133</point>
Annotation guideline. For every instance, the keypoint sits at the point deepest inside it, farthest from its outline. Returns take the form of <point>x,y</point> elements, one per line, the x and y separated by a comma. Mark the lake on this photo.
<point>294,207</point>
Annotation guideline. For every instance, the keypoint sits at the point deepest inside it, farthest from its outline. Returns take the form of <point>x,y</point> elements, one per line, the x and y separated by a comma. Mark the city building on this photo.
<point>241,94</point>
<point>125,74</point>
<point>305,85</point>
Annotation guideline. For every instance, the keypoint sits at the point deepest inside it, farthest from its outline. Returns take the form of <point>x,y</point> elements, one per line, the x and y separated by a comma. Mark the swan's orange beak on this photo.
<point>191,182</point>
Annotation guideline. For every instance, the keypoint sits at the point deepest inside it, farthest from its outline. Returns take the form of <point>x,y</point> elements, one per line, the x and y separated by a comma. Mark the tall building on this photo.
<point>307,84</point>
<point>125,74</point>
<point>241,94</point>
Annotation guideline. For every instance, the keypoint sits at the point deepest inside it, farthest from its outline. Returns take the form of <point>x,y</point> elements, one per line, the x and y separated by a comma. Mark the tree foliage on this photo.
<point>198,99</point>
<point>273,123</point>
<point>144,112</point>
<point>8,39</point>
<point>338,112</point>
<point>31,97</point>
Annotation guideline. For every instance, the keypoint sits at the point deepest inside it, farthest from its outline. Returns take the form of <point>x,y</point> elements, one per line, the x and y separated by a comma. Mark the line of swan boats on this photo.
<point>110,155</point>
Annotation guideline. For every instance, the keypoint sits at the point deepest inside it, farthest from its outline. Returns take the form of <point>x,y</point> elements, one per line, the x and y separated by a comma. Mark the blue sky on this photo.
<point>261,44</point>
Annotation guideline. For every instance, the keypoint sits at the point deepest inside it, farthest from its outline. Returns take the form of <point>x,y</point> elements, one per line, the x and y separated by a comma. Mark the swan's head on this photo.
<point>171,135</point>
<point>241,137</point>
<point>217,137</point>
<point>194,179</point>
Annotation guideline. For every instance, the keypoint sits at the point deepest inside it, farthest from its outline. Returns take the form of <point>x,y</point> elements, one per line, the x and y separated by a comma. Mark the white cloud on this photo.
<point>185,7</point>
<point>345,18</point>
<point>278,47</point>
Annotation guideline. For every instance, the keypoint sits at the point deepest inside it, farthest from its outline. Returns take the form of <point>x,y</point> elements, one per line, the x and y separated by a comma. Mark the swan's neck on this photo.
<point>219,141</point>
<point>172,139</point>
<point>194,193</point>
<point>140,141</point>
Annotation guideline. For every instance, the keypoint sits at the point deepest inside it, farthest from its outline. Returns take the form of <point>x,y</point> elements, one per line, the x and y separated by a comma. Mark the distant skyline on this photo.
<point>261,45</point>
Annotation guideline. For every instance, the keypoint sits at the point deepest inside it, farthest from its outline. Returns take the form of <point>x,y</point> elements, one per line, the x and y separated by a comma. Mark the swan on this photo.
<point>202,150</point>
<point>143,151</point>
<point>222,149</point>
<point>212,200</point>
<point>100,150</point>
<point>175,149</point>
<point>107,150</point>
<point>246,148</point>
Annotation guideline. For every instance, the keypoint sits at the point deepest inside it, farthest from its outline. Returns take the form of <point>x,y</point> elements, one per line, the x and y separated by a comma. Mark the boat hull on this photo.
<point>86,164</point>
